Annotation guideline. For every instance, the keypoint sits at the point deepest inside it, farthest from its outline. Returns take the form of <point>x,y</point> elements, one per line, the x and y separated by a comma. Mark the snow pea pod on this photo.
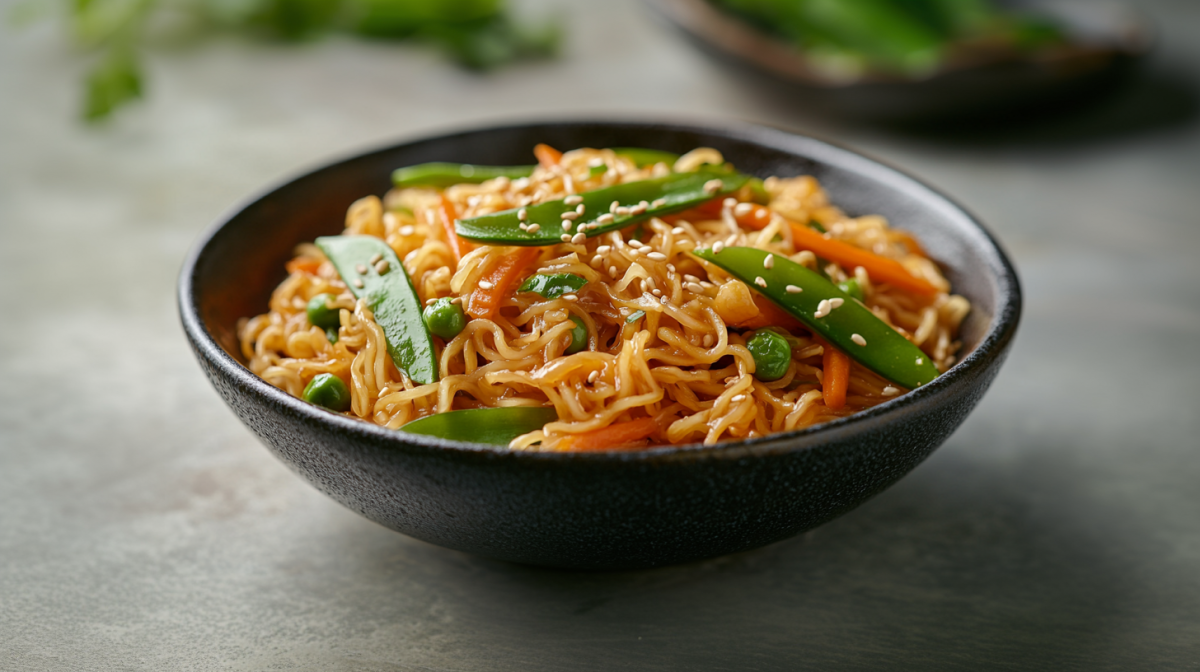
<point>439,174</point>
<point>544,223</point>
<point>371,270</point>
<point>643,157</point>
<point>497,426</point>
<point>829,312</point>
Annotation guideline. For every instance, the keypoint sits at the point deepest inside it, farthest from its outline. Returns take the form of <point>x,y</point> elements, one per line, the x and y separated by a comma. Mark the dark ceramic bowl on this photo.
<point>1105,41</point>
<point>600,510</point>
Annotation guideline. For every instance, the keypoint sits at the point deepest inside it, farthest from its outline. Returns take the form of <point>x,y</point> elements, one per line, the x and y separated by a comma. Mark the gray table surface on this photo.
<point>142,527</point>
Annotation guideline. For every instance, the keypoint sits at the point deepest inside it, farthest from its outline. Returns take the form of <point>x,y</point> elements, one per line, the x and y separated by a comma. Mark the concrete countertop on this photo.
<point>142,527</point>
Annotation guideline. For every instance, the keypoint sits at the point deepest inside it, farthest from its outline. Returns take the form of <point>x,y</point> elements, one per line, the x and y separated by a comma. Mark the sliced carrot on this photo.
<point>835,377</point>
<point>547,156</point>
<point>769,315</point>
<point>500,279</point>
<point>613,436</point>
<point>303,265</point>
<point>447,213</point>
<point>881,269</point>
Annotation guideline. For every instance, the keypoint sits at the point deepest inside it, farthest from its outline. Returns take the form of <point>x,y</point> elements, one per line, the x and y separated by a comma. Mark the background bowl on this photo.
<point>596,510</point>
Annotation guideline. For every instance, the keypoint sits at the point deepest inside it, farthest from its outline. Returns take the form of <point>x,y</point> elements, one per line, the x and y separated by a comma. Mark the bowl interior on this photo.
<point>243,261</point>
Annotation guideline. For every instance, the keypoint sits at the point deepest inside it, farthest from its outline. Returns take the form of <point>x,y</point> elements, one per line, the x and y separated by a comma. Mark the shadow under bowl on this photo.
<point>597,510</point>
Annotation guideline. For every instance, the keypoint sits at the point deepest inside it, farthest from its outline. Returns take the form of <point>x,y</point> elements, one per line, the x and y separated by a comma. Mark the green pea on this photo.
<point>320,314</point>
<point>445,319</point>
<point>579,336</point>
<point>852,288</point>
<point>326,389</point>
<point>771,353</point>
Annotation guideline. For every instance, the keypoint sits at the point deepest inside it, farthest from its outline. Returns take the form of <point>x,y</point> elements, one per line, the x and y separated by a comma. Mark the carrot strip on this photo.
<point>769,315</point>
<point>881,269</point>
<point>547,156</point>
<point>835,377</point>
<point>447,214</point>
<point>706,210</point>
<point>613,436</point>
<point>304,265</point>
<point>485,302</point>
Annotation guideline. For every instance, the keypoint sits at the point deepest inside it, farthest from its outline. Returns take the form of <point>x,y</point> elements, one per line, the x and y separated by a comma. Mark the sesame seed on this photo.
<point>836,303</point>
<point>621,211</point>
<point>769,261</point>
<point>612,207</point>
<point>656,256</point>
<point>635,243</point>
<point>376,258</point>
<point>920,360</point>
<point>606,218</point>
<point>658,203</point>
<point>597,262</point>
<point>694,287</point>
<point>604,249</point>
<point>579,238</point>
<point>358,283</point>
<point>742,209</point>
<point>361,268</point>
<point>890,391</point>
<point>713,186</point>
<point>570,297</point>
<point>792,289</point>
<point>569,215</point>
<point>456,300</point>
<point>382,267</point>
<point>708,340</point>
<point>407,230</point>
<point>760,282</point>
<point>430,300</point>
<point>592,377</point>
<point>566,237</point>
<point>566,225</point>
<point>534,228</point>
<point>522,214</point>
<point>612,270</point>
<point>717,247</point>
<point>656,292</point>
<point>638,209</point>
<point>729,202</point>
<point>522,226</point>
<point>858,340</point>
<point>671,268</point>
<point>690,278</point>
<point>822,309</point>
<point>579,209</point>
<point>484,284</point>
<point>706,284</point>
<point>679,230</point>
<point>573,200</point>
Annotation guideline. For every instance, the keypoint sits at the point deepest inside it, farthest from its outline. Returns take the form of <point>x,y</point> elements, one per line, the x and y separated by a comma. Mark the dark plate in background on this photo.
<point>596,510</point>
<point>1107,40</point>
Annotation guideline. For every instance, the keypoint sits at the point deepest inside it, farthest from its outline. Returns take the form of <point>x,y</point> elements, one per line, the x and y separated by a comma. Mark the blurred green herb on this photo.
<point>910,37</point>
<point>477,34</point>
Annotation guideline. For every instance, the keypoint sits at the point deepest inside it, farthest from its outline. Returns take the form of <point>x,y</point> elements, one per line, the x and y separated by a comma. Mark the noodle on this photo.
<point>681,363</point>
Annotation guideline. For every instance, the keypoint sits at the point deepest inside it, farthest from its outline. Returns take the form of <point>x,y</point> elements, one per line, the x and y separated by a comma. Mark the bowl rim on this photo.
<point>992,346</point>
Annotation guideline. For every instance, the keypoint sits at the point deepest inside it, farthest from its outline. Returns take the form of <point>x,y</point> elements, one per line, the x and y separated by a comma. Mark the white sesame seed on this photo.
<point>637,209</point>
<point>792,289</point>
<point>430,300</point>
<point>606,218</point>
<point>694,287</point>
<point>835,303</point>
<point>858,340</point>
<point>671,268</point>
<point>579,209</point>
<point>656,292</point>
<point>760,282</point>
<point>522,226</point>
<point>634,242</point>
<point>706,284</point>
<point>604,249</point>
<point>484,284</point>
<point>566,225</point>
<point>579,238</point>
<point>456,300</point>
<point>376,258</point>
<point>597,262</point>
<point>713,186</point>
<point>534,228</point>
<point>920,360</point>
<point>729,202</point>
<point>742,209</point>
<point>612,207</point>
<point>717,247</point>
<point>658,203</point>
<point>769,261</point>
<point>688,277</point>
<point>382,267</point>
<point>569,215</point>
<point>708,340</point>
<point>656,256</point>
<point>522,214</point>
<point>573,200</point>
<point>570,297</point>
<point>612,270</point>
<point>407,230</point>
<point>592,377</point>
<point>566,238</point>
<point>679,230</point>
<point>622,211</point>
<point>358,283</point>
<point>890,391</point>
<point>361,268</point>
<point>822,309</point>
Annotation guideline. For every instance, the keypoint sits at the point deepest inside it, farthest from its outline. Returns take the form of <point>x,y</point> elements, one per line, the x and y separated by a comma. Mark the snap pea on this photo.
<point>497,426</point>
<point>850,326</point>
<point>553,285</point>
<point>579,336</point>
<point>772,354</point>
<point>328,391</point>
<point>677,191</point>
<point>643,157</point>
<point>390,295</point>
<point>440,174</point>
<point>852,288</point>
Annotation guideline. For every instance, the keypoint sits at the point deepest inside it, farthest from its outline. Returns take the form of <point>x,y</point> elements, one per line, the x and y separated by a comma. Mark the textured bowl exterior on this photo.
<point>598,510</point>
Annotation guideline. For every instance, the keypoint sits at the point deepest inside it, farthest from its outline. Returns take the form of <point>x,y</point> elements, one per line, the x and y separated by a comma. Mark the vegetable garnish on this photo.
<point>492,289</point>
<point>835,376</point>
<point>646,157</point>
<point>371,270</point>
<point>446,214</point>
<point>600,210</point>
<point>553,285</point>
<point>547,156</point>
<point>616,435</point>
<point>440,174</point>
<point>830,312</point>
<point>881,269</point>
<point>328,391</point>
<point>497,426</point>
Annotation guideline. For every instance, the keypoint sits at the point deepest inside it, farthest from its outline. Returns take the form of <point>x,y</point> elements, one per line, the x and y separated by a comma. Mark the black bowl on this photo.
<point>598,510</point>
